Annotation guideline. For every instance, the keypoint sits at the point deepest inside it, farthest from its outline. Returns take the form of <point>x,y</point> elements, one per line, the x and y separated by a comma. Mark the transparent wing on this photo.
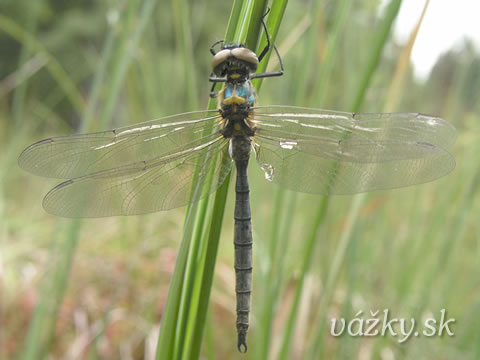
<point>146,186</point>
<point>329,152</point>
<point>68,157</point>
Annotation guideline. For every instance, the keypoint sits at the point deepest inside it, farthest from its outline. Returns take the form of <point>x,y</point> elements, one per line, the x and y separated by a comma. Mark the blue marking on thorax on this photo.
<point>244,90</point>
<point>251,98</point>
<point>228,91</point>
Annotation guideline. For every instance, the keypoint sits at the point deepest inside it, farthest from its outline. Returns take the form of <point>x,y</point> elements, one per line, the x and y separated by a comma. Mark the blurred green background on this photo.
<point>87,65</point>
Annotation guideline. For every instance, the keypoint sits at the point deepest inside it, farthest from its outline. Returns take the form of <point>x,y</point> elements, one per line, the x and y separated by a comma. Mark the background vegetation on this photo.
<point>97,289</point>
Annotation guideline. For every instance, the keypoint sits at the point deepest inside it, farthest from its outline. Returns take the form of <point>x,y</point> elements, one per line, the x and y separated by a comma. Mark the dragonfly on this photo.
<point>157,165</point>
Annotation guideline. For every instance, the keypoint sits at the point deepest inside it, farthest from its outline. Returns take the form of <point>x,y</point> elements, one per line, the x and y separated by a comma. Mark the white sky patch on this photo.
<point>446,24</point>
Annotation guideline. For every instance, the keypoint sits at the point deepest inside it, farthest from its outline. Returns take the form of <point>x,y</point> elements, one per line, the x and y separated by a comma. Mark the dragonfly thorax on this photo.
<point>236,100</point>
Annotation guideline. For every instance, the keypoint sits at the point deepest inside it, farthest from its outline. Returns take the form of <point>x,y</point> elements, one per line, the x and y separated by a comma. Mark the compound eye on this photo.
<point>247,56</point>
<point>218,60</point>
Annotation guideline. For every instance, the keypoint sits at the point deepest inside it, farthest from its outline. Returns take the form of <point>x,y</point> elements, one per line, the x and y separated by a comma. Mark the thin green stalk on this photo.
<point>266,314</point>
<point>280,240</point>
<point>52,65</point>
<point>41,331</point>
<point>18,102</point>
<point>254,24</point>
<point>233,20</point>
<point>100,74</point>
<point>168,333</point>
<point>208,258</point>
<point>342,11</point>
<point>306,71</point>
<point>187,299</point>
<point>334,273</point>
<point>383,33</point>
<point>311,242</point>
<point>184,40</point>
<point>126,56</point>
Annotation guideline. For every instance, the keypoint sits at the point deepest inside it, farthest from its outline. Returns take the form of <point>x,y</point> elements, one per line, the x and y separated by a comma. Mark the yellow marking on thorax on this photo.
<point>221,96</point>
<point>234,99</point>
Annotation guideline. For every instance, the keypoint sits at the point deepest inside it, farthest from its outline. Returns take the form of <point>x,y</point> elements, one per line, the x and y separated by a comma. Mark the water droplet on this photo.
<point>269,171</point>
<point>289,144</point>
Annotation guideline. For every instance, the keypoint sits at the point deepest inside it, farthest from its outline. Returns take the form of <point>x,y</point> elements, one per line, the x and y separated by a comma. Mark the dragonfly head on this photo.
<point>235,62</point>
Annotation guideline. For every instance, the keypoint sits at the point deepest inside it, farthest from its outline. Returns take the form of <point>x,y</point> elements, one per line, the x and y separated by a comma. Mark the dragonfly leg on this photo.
<point>213,93</point>
<point>267,47</point>
<point>265,51</point>
<point>271,73</point>
<point>212,48</point>
<point>212,78</point>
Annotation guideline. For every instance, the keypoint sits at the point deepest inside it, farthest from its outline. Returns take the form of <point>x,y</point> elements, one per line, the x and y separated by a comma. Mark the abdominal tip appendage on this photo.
<point>242,343</point>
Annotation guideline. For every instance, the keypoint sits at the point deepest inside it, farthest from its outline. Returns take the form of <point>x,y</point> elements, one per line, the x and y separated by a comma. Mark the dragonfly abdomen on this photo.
<point>242,238</point>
